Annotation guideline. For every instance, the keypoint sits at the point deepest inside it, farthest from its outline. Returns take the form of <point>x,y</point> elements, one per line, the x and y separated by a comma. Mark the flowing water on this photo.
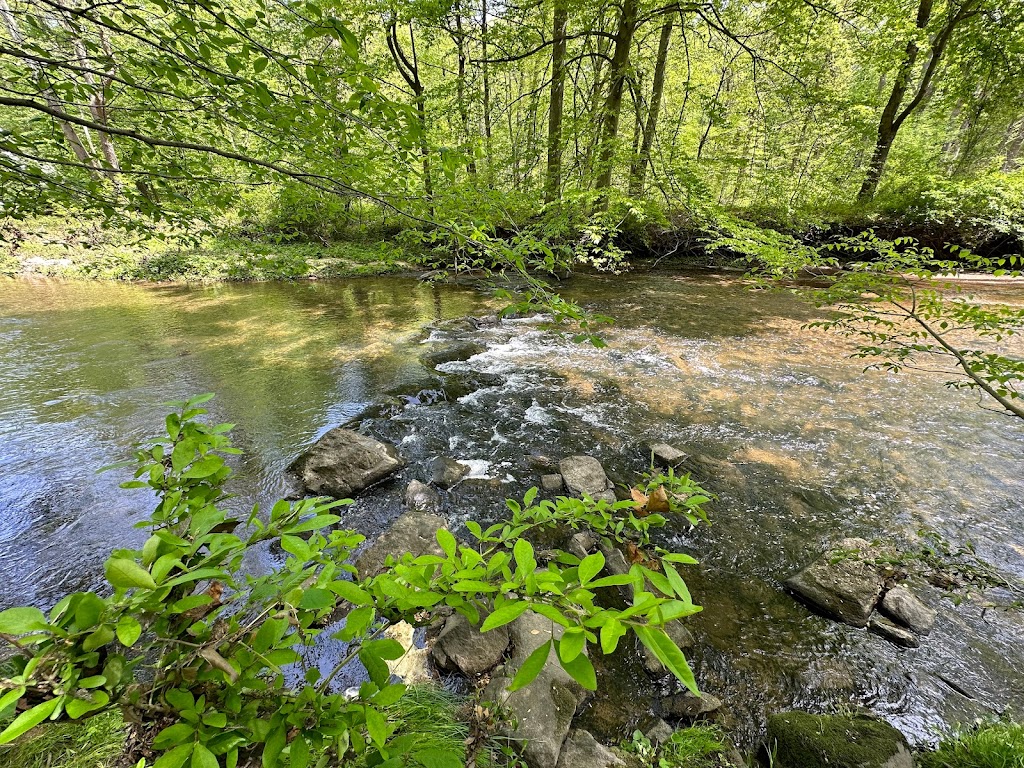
<point>801,446</point>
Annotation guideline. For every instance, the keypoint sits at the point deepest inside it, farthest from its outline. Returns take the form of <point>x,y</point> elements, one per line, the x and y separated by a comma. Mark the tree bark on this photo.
<point>460,42</point>
<point>553,179</point>
<point>410,71</point>
<point>638,172</point>
<point>613,102</point>
<point>487,88</point>
<point>893,117</point>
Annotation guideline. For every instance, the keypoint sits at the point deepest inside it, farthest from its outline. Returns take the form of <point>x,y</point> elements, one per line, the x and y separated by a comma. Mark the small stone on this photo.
<point>541,463</point>
<point>422,497</point>
<point>584,475</point>
<point>665,455</point>
<point>445,472</point>
<point>464,647</point>
<point>894,633</point>
<point>660,732</point>
<point>551,483</point>
<point>582,750</point>
<point>903,606</point>
<point>690,707</point>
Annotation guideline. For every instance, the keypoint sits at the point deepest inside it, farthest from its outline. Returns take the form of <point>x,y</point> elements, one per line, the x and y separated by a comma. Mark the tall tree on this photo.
<point>642,160</point>
<point>553,178</point>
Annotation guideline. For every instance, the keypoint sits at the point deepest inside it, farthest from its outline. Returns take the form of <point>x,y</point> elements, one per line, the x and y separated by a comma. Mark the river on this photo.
<point>801,445</point>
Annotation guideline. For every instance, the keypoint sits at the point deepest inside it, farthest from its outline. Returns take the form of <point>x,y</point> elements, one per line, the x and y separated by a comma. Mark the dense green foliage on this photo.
<point>554,126</point>
<point>206,654</point>
<point>697,746</point>
<point>987,745</point>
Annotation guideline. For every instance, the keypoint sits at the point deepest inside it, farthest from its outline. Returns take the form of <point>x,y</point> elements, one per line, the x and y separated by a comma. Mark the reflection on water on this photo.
<point>801,445</point>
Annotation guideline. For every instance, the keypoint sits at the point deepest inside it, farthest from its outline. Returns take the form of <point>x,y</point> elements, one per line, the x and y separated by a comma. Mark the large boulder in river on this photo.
<point>448,353</point>
<point>414,532</point>
<point>344,462</point>
<point>543,711</point>
<point>844,583</point>
<point>803,740</point>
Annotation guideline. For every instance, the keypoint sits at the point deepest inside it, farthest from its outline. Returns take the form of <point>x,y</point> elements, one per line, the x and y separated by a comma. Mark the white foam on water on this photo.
<point>478,469</point>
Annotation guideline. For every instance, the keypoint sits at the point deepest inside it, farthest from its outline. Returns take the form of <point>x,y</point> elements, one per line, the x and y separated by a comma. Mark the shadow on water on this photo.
<point>800,445</point>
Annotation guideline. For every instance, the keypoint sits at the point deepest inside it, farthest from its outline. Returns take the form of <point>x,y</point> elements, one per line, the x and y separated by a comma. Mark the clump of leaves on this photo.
<point>205,653</point>
<point>699,746</point>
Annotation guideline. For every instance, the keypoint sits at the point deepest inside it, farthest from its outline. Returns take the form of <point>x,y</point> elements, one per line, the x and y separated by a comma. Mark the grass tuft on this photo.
<point>988,745</point>
<point>96,742</point>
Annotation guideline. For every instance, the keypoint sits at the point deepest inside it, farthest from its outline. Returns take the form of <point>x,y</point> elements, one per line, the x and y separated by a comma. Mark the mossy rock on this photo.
<point>803,740</point>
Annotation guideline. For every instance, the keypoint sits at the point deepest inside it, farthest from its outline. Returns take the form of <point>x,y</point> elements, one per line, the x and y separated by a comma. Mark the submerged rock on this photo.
<point>414,532</point>
<point>445,472</point>
<point>903,606</point>
<point>582,750</point>
<point>803,740</point>
<point>842,583</point>
<point>344,462</point>
<point>894,633</point>
<point>448,353</point>
<point>463,647</point>
<point>421,497</point>
<point>585,475</point>
<point>543,711</point>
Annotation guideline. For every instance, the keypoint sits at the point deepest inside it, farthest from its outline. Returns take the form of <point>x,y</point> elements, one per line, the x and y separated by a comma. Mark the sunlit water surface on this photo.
<point>801,446</point>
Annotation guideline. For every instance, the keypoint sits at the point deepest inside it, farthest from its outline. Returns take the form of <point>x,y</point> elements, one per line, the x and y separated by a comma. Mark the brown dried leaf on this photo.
<point>658,501</point>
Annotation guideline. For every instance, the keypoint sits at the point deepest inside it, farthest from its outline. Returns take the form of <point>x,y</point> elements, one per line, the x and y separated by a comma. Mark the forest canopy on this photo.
<point>295,116</point>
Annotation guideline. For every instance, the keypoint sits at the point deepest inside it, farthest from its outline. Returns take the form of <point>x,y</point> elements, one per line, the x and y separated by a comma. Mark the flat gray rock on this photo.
<point>445,472</point>
<point>542,711</point>
<point>344,462</point>
<point>447,353</point>
<point>584,475</point>
<point>842,584</point>
<point>690,707</point>
<point>665,455</point>
<point>904,607</point>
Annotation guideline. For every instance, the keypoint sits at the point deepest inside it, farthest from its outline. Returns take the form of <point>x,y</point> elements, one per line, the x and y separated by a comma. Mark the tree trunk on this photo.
<point>638,172</point>
<point>892,116</point>
<point>460,84</point>
<point>553,179</point>
<point>616,84</point>
<point>487,88</point>
<point>410,71</point>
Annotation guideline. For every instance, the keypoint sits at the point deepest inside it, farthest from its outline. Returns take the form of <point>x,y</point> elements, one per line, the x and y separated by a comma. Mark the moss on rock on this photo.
<point>803,740</point>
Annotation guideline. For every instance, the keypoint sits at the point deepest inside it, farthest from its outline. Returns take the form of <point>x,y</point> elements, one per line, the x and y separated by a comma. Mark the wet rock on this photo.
<point>665,455</point>
<point>463,647</point>
<point>422,497</point>
<point>541,463</point>
<point>690,707</point>
<point>344,462</point>
<point>894,633</point>
<point>445,472</point>
<point>803,740</point>
<point>448,353</point>
<point>543,711</point>
<point>903,606</point>
<point>842,583</point>
<point>585,475</point>
<point>660,732</point>
<point>551,483</point>
<point>414,532</point>
<point>582,750</point>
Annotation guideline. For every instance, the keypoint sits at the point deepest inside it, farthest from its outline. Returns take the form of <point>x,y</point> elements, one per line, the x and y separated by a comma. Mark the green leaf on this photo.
<point>203,757</point>
<point>173,735</point>
<point>582,671</point>
<point>532,666</point>
<point>590,566</point>
<point>128,631</point>
<point>18,621</point>
<point>175,758</point>
<point>678,585</point>
<point>316,599</point>
<point>29,719</point>
<point>10,698</point>
<point>571,644</point>
<point>523,553</point>
<point>507,613</point>
<point>351,592</point>
<point>127,574</point>
<point>436,757</point>
<point>668,653</point>
<point>611,633</point>
<point>98,638</point>
<point>447,542</point>
<point>376,726</point>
